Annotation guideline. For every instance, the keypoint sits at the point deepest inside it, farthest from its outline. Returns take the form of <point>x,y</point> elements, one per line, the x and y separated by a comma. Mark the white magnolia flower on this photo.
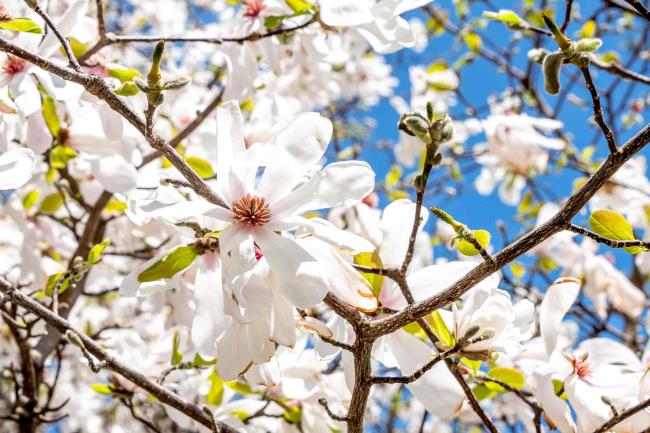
<point>378,22</point>
<point>515,150</point>
<point>258,209</point>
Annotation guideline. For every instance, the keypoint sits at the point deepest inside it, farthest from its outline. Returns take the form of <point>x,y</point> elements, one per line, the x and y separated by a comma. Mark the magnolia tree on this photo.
<point>324,216</point>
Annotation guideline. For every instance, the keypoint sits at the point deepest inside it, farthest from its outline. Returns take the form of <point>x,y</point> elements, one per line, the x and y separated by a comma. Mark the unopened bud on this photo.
<point>441,130</point>
<point>153,77</point>
<point>552,66</point>
<point>488,333</point>
<point>177,84</point>
<point>587,45</point>
<point>562,41</point>
<point>74,338</point>
<point>430,111</point>
<point>415,125</point>
<point>32,3</point>
<point>442,215</point>
<point>581,60</point>
<point>472,331</point>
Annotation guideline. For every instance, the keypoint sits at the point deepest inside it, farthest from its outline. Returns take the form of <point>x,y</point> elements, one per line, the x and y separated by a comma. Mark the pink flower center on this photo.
<point>13,65</point>
<point>258,253</point>
<point>371,200</point>
<point>253,8</point>
<point>251,210</point>
<point>582,367</point>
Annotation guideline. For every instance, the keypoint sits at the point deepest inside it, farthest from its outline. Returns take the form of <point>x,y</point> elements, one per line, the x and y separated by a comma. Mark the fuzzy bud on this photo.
<point>177,84</point>
<point>415,125</point>
<point>552,66</point>
<point>588,45</point>
<point>537,55</point>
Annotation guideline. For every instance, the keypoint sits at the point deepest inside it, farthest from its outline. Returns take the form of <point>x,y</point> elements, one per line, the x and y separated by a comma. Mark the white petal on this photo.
<point>112,124</point>
<point>556,303</point>
<point>16,167</point>
<point>298,274</point>
<point>343,13</point>
<point>344,241</point>
<point>232,359</point>
<point>437,389</point>
<point>298,148</point>
<point>209,322</point>
<point>434,279</point>
<point>395,227</point>
<point>115,174</point>
<point>230,142</point>
<point>333,186</point>
<point>554,407</point>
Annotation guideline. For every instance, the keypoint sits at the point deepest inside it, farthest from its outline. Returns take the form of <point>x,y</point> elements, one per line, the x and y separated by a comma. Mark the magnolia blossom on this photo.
<point>378,22</point>
<point>514,151</point>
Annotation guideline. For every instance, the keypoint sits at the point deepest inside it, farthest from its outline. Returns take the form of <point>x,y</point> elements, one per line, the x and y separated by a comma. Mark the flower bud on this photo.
<point>154,72</point>
<point>588,44</point>
<point>415,125</point>
<point>472,331</point>
<point>552,66</point>
<point>177,84</point>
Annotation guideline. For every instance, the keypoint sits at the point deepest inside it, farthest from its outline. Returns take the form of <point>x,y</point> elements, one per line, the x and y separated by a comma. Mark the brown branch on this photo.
<point>613,243</point>
<point>598,111</point>
<point>622,416</point>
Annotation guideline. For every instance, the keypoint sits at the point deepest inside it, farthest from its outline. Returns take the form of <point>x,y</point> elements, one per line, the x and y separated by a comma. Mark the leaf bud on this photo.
<point>552,66</point>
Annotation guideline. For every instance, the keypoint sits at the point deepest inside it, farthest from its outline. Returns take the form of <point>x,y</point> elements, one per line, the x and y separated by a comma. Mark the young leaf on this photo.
<point>612,225</point>
<point>439,327</point>
<point>30,199</point>
<point>506,16</point>
<point>215,395</point>
<point>60,155</point>
<point>174,262</point>
<point>467,249</point>
<point>374,261</point>
<point>22,25</point>
<point>200,166</point>
<point>473,41</point>
<point>51,203</point>
<point>510,376</point>
<point>177,355</point>
<point>123,74</point>
<point>95,254</point>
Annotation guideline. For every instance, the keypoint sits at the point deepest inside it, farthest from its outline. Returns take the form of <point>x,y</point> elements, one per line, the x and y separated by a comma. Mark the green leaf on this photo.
<point>292,414</point>
<point>51,203</point>
<point>48,108</point>
<point>175,261</point>
<point>22,25</point>
<point>506,16</point>
<point>200,362</point>
<point>177,355</point>
<point>60,155</point>
<point>439,327</point>
<point>588,29</point>
<point>240,387</point>
<point>558,389</point>
<point>200,166</point>
<point>374,261</point>
<point>95,254</point>
<point>123,74</point>
<point>52,281</point>
<point>393,176</point>
<point>272,22</point>
<point>215,394</point>
<point>473,41</point>
<point>614,226</point>
<point>510,376</point>
<point>482,392</point>
<point>467,249</point>
<point>474,365</point>
<point>128,88</point>
<point>30,199</point>
<point>102,388</point>
<point>299,5</point>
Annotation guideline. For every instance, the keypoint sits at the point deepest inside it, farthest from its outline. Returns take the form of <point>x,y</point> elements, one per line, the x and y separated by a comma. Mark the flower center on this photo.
<point>251,210</point>
<point>253,8</point>
<point>582,367</point>
<point>13,65</point>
